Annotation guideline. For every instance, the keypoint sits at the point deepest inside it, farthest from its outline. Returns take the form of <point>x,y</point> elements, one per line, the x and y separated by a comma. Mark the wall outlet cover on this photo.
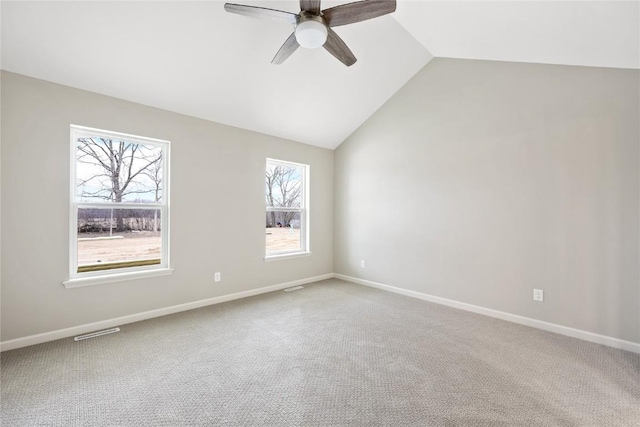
<point>538,295</point>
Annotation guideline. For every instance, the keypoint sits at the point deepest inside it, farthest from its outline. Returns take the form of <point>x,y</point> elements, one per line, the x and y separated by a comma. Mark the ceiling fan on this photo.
<point>313,26</point>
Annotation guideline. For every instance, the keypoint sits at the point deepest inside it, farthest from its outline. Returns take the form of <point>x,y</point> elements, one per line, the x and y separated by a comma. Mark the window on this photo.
<point>287,200</point>
<point>119,205</point>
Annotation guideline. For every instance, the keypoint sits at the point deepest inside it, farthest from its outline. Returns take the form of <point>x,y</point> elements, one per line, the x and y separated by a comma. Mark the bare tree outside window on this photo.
<point>118,171</point>
<point>119,201</point>
<point>284,192</point>
<point>284,185</point>
<point>154,173</point>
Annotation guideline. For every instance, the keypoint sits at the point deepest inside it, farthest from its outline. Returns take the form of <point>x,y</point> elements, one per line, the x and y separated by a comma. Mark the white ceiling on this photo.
<point>196,59</point>
<point>590,33</point>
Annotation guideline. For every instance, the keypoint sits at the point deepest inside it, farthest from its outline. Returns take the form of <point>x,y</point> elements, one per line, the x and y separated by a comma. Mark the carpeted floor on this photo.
<point>331,354</point>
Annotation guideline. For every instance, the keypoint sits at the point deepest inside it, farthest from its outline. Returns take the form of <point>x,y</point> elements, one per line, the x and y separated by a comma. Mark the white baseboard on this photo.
<point>110,323</point>
<point>527,321</point>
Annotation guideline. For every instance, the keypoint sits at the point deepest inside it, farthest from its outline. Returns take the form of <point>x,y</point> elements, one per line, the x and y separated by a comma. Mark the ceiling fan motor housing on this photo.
<point>311,30</point>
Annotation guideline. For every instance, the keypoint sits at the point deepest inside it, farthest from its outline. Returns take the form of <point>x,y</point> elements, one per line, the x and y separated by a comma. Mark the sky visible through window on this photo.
<point>111,170</point>
<point>283,186</point>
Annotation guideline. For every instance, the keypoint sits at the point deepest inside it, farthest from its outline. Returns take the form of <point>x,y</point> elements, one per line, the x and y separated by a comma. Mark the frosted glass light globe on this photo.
<point>311,34</point>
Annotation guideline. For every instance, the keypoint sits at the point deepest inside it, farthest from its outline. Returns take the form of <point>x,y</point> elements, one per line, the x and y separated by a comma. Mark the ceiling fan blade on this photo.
<point>286,50</point>
<point>358,11</point>
<point>262,12</point>
<point>312,6</point>
<point>338,48</point>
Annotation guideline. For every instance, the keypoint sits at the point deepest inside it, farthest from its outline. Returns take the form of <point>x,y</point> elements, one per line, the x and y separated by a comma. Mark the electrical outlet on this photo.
<point>362,264</point>
<point>538,295</point>
<point>216,277</point>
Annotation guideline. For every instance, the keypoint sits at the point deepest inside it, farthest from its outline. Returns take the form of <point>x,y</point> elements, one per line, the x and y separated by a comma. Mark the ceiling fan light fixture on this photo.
<point>311,34</point>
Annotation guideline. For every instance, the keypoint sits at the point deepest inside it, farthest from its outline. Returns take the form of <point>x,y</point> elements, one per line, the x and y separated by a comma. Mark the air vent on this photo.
<point>96,334</point>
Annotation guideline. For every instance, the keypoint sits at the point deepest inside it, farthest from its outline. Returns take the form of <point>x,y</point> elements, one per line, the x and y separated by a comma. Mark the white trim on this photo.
<point>539,324</point>
<point>305,233</point>
<point>91,239</point>
<point>287,163</point>
<point>90,327</point>
<point>98,277</point>
<point>304,210</point>
<point>90,132</point>
<point>527,321</point>
<point>283,209</point>
<point>123,205</point>
<point>286,256</point>
<point>106,277</point>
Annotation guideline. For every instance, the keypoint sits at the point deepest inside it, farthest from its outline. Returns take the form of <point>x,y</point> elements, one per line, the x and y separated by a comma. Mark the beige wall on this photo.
<point>480,181</point>
<point>217,208</point>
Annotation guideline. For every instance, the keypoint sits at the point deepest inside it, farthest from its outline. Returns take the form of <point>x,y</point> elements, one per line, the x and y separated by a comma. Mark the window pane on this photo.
<point>114,170</point>
<point>107,238</point>
<point>283,185</point>
<point>283,232</point>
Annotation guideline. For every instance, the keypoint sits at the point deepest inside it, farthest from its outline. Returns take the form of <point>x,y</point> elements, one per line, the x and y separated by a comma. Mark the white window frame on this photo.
<point>303,210</point>
<point>125,273</point>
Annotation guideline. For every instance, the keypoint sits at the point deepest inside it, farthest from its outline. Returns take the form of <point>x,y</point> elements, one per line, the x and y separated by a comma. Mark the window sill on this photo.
<point>115,277</point>
<point>270,258</point>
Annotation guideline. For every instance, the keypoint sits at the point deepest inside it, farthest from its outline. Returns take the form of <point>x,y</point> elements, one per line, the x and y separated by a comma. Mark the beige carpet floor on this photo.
<point>331,354</point>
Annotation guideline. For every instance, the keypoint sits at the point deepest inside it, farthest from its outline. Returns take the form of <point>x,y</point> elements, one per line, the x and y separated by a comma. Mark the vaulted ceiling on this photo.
<point>194,58</point>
